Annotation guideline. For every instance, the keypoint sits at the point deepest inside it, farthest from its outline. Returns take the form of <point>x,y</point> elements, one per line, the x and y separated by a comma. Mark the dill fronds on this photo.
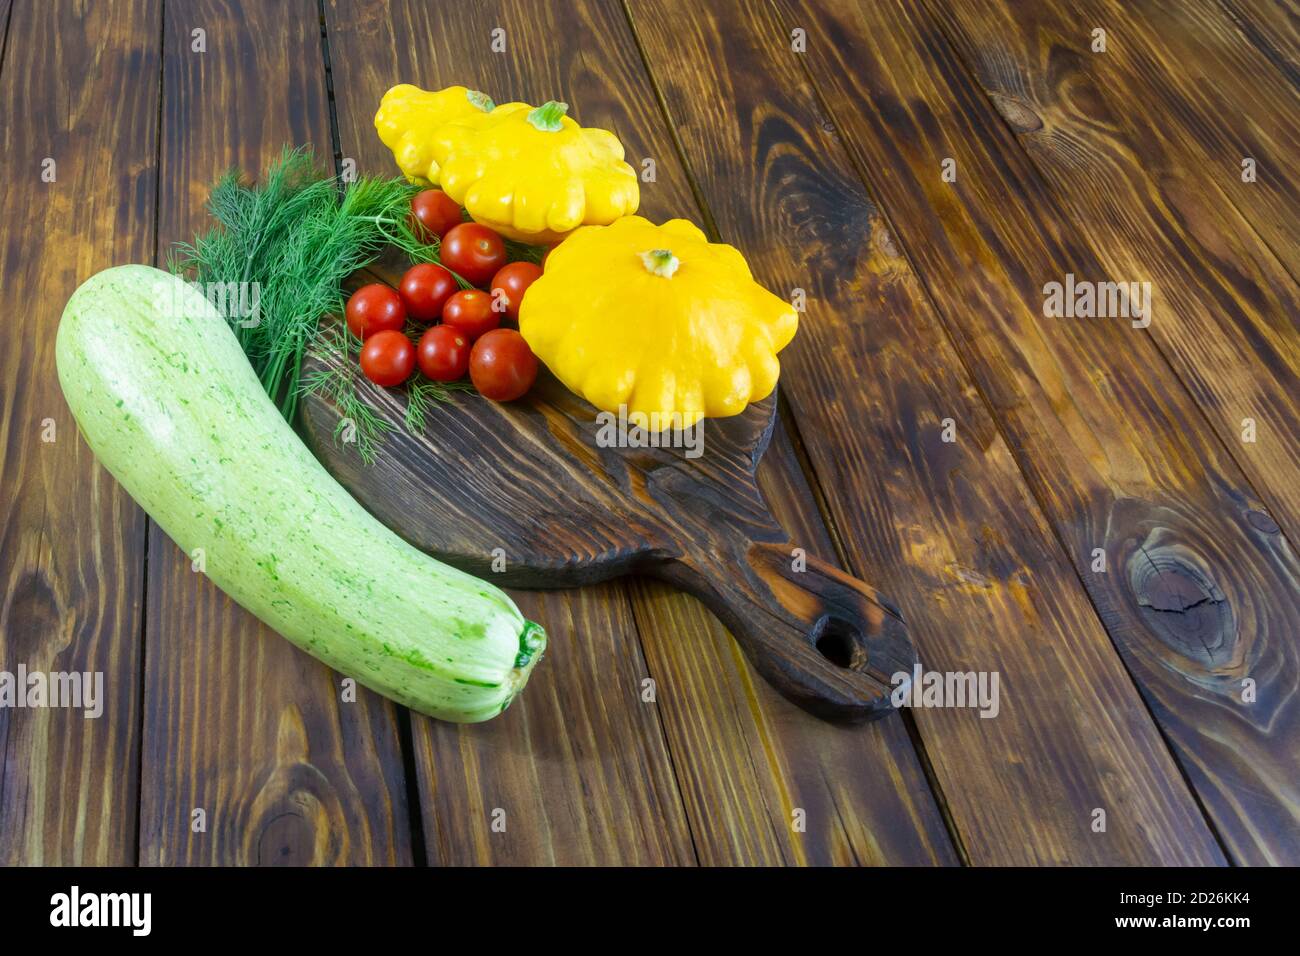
<point>297,239</point>
<point>336,381</point>
<point>422,394</point>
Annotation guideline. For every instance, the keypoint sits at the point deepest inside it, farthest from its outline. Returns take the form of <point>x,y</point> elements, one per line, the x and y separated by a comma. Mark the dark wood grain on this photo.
<point>950,526</point>
<point>238,722</point>
<point>1199,591</point>
<point>71,542</point>
<point>1224,311</point>
<point>1224,79</point>
<point>576,772</point>
<point>579,750</point>
<point>1272,28</point>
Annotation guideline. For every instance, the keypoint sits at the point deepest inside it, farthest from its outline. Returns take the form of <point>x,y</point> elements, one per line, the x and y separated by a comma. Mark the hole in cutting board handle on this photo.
<point>838,641</point>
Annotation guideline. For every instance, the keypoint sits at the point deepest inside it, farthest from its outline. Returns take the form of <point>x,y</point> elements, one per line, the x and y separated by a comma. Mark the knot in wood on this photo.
<point>1183,606</point>
<point>1019,115</point>
<point>1261,521</point>
<point>33,601</point>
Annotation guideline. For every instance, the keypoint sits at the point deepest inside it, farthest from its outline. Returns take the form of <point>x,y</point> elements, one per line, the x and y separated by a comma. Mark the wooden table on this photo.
<point>1096,511</point>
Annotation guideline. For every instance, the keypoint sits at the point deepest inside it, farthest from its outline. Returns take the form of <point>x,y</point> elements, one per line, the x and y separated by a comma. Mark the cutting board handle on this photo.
<point>824,639</point>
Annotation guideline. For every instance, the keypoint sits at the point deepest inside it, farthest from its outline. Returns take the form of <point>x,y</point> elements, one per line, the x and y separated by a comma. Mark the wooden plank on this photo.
<point>578,765</point>
<point>946,528</point>
<point>1222,97</point>
<point>1152,216</point>
<point>1273,28</point>
<point>576,771</point>
<point>1199,588</point>
<point>71,542</point>
<point>238,722</point>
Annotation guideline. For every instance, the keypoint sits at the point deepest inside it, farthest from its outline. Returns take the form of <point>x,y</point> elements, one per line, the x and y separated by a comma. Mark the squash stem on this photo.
<point>660,262</point>
<point>480,100</point>
<point>546,117</point>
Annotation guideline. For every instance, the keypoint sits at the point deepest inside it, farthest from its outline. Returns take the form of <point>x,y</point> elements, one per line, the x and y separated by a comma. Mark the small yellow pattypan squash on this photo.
<point>657,319</point>
<point>408,117</point>
<point>534,174</point>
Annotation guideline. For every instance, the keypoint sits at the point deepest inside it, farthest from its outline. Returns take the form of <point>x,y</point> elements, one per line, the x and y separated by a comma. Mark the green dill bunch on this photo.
<point>295,237</point>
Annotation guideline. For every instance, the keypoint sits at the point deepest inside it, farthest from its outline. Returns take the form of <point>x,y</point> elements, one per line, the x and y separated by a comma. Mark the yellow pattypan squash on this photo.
<point>409,116</point>
<point>657,319</point>
<point>534,174</point>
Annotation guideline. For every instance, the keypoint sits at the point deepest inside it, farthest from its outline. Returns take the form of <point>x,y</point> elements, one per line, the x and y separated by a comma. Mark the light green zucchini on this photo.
<point>168,403</point>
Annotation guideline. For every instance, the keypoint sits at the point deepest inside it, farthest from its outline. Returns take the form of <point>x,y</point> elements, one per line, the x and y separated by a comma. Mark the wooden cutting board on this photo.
<point>529,484</point>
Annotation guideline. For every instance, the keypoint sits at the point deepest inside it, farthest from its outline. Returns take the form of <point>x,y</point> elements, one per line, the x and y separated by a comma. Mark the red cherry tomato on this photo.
<point>502,366</point>
<point>425,289</point>
<point>374,308</point>
<point>470,310</point>
<point>388,358</point>
<point>513,281</point>
<point>474,252</point>
<point>433,212</point>
<point>443,353</point>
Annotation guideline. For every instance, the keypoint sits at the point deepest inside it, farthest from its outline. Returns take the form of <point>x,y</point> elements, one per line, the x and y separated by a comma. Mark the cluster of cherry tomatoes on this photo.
<point>471,337</point>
